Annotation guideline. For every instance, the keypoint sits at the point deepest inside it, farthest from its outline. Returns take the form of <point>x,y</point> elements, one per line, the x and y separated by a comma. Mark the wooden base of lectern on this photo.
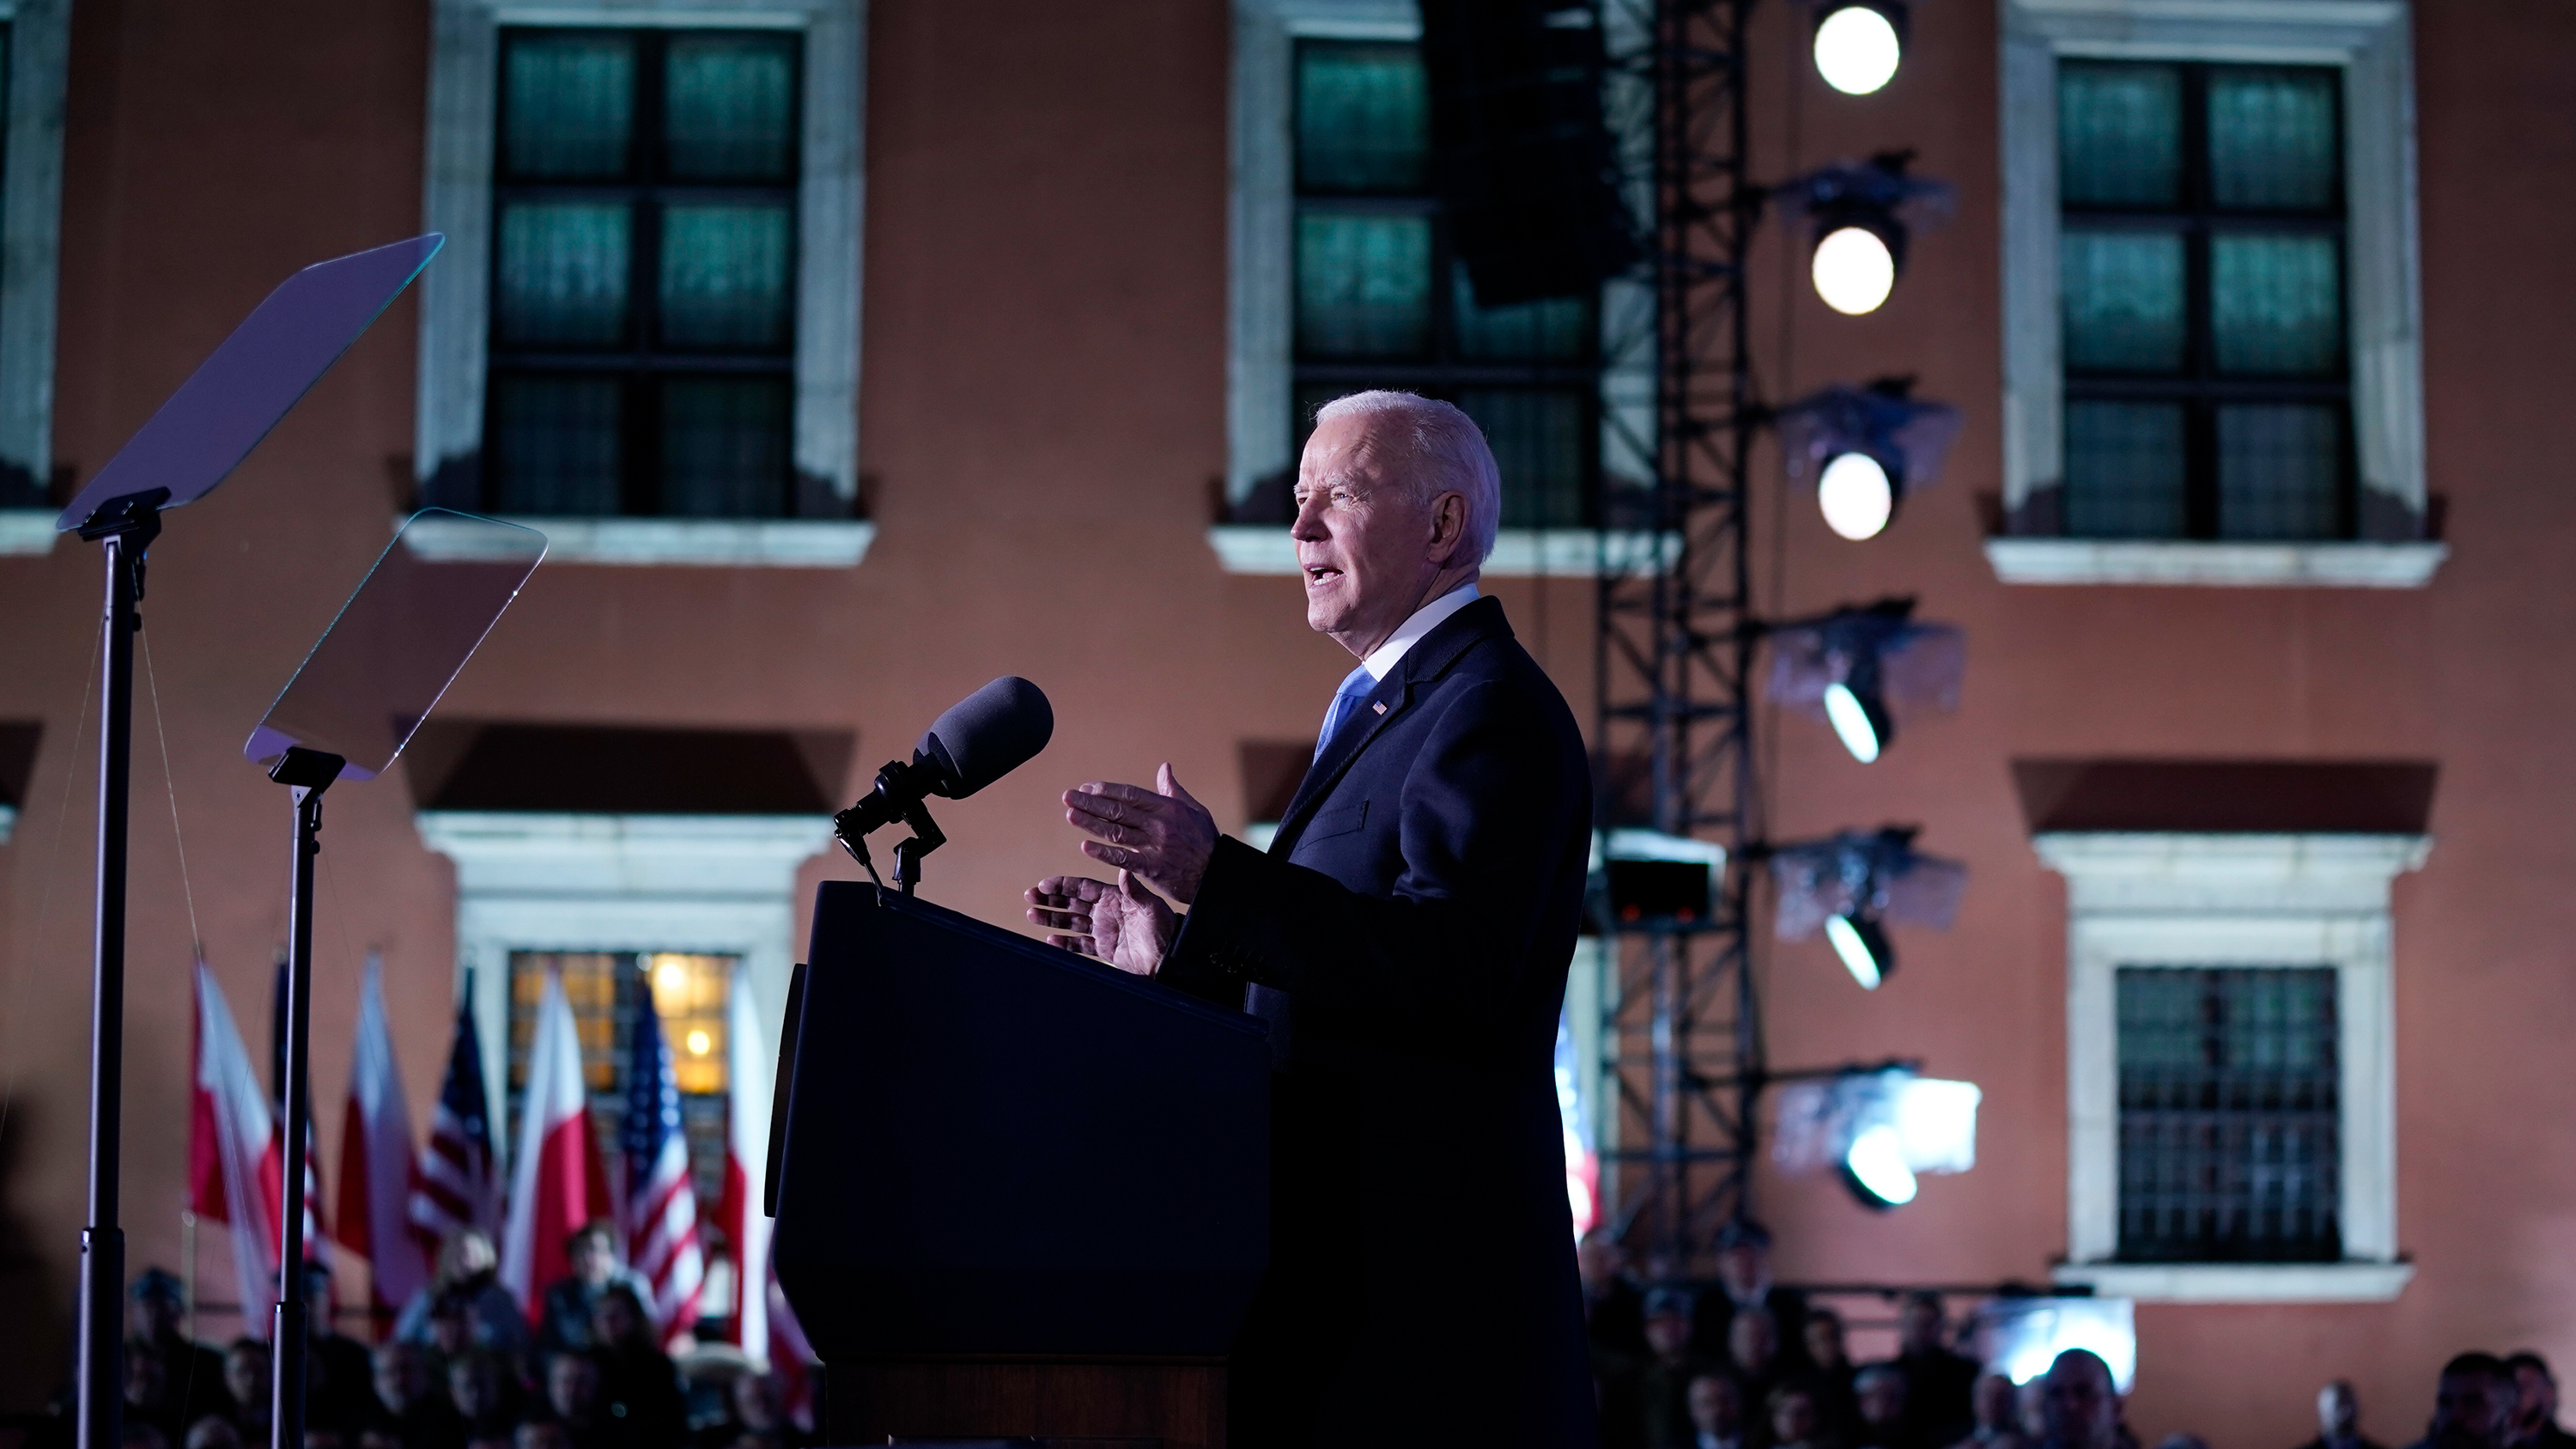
<point>1098,1404</point>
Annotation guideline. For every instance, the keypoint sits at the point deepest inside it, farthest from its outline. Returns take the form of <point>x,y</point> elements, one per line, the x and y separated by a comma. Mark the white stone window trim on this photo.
<point>725,542</point>
<point>720,884</point>
<point>31,214</point>
<point>1266,548</point>
<point>455,290</point>
<point>2233,900</point>
<point>2369,40</point>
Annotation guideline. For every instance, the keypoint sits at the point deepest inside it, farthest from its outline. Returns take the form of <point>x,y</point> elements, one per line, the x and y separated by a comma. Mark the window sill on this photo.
<point>27,530</point>
<point>2225,565</point>
<point>2240,1282</point>
<point>814,543</point>
<point>1266,548</point>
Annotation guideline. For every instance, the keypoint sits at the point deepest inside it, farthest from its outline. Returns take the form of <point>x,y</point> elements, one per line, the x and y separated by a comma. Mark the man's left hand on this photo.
<point>1162,834</point>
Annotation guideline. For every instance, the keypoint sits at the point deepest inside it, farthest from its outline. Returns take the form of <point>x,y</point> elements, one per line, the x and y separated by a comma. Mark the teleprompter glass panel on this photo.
<point>725,446</point>
<point>1363,285</point>
<point>2276,304</point>
<point>2124,300</point>
<point>2125,469</point>
<point>1363,118</point>
<point>1540,444</point>
<point>2273,140</point>
<point>2119,135</point>
<point>556,443</point>
<point>568,105</point>
<point>561,279</point>
<point>2280,470</point>
<point>729,107</point>
<point>726,279</point>
<point>2230,1114</point>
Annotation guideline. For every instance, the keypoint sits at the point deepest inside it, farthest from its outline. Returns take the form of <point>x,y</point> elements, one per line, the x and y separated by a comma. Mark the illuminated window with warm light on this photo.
<point>608,992</point>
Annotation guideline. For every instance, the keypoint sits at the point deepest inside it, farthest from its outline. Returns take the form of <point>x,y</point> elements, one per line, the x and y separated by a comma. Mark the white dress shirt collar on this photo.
<point>1382,660</point>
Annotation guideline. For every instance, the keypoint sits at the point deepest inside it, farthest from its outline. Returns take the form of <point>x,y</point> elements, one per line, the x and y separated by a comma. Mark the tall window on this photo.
<point>1380,302</point>
<point>643,294</point>
<point>608,991</point>
<point>2230,1119</point>
<point>2201,260</point>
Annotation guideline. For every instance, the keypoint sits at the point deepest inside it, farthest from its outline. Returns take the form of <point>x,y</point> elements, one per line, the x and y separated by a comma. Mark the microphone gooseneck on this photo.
<point>978,740</point>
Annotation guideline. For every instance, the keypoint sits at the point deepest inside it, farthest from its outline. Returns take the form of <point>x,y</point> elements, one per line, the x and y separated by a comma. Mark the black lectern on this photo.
<point>1018,1193</point>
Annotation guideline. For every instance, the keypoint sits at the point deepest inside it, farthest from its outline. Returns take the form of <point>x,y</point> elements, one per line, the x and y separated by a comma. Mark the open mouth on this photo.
<point>1320,574</point>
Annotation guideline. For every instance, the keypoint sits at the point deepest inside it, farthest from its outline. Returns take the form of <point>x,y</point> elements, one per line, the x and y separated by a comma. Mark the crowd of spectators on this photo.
<point>1748,1364</point>
<point>461,1369</point>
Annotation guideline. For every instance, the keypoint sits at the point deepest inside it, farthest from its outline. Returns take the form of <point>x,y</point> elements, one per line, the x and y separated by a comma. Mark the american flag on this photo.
<point>452,1185</point>
<point>660,1213</point>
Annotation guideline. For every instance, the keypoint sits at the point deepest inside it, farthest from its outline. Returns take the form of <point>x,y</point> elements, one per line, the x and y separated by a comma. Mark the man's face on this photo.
<point>1745,1270</point>
<point>1825,1340</point>
<point>593,1260</point>
<point>2337,1410</point>
<point>2536,1398</point>
<point>246,1375</point>
<point>613,1322</point>
<point>473,1388</point>
<point>2466,1410</point>
<point>572,1385</point>
<point>1882,1399</point>
<point>153,1317</point>
<point>1716,1406</point>
<point>1597,1259</point>
<point>2079,1406</point>
<point>402,1376</point>
<point>1995,1404</point>
<point>449,1332</point>
<point>1362,540</point>
<point>1668,1335</point>
<point>1754,1340</point>
<point>143,1378</point>
<point>1793,1419</point>
<point>1918,1324</point>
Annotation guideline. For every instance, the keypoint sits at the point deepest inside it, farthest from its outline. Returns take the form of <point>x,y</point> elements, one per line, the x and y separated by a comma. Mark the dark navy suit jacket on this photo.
<point>1407,937</point>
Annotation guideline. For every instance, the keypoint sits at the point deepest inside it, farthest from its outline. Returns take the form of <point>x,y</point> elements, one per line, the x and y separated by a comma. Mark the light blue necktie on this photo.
<point>1346,701</point>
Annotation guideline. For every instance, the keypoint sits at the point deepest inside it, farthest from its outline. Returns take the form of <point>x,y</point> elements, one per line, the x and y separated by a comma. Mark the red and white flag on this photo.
<point>746,1227</point>
<point>233,1157</point>
<point>375,1158</point>
<point>556,1181</point>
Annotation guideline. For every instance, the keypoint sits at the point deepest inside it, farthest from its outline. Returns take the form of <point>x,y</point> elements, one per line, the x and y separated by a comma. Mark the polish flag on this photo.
<point>376,1159</point>
<point>235,1168</point>
<point>556,1180</point>
<point>745,1226</point>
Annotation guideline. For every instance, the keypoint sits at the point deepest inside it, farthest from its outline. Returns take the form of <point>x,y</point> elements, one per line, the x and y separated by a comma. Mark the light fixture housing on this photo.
<point>1859,220</point>
<point>1862,944</point>
<point>1850,668</point>
<point>1859,44</point>
<point>1850,886</point>
<point>1867,448</point>
<point>1878,1128</point>
<point>1856,706</point>
<point>1875,1171</point>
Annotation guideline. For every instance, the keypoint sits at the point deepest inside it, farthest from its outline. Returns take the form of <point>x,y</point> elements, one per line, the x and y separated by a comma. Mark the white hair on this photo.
<point>1445,452</point>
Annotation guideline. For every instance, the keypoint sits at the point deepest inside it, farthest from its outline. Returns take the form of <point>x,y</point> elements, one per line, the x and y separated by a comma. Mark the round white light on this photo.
<point>1857,50</point>
<point>1857,957</point>
<point>1853,270</point>
<point>1877,1162</point>
<point>1856,496</point>
<point>1852,724</point>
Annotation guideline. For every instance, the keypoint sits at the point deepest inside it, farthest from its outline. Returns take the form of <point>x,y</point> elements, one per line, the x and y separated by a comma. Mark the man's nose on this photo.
<point>1309,523</point>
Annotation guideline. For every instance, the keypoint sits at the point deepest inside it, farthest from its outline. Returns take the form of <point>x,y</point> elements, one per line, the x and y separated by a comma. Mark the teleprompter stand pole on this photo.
<point>125,527</point>
<point>306,773</point>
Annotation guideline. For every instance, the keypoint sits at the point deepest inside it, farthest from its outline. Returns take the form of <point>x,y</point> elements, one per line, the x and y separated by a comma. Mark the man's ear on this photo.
<point>1448,527</point>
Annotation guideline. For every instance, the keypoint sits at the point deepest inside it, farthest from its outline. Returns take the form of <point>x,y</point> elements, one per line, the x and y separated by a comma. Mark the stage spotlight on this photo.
<point>1858,46</point>
<point>1875,1169</point>
<point>1849,886</point>
<point>1847,666</point>
<point>1861,217</point>
<point>1868,447</point>
<point>1878,1128</point>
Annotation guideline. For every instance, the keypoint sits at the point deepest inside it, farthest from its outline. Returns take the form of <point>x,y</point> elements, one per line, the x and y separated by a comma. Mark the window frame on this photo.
<point>31,204</point>
<point>2369,41</point>
<point>2252,900</point>
<point>458,199</point>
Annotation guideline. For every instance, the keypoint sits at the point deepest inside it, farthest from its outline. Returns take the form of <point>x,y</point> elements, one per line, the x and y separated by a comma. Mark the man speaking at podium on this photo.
<point>1406,936</point>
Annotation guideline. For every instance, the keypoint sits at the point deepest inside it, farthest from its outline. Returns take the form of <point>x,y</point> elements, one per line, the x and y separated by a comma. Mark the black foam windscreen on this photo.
<point>987,735</point>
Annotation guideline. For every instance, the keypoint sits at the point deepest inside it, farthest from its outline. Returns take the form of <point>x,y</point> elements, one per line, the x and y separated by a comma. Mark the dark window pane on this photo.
<point>2119,135</point>
<point>1540,441</point>
<point>725,277</point>
<point>556,444</point>
<point>562,274</point>
<point>2272,139</point>
<point>2280,471</point>
<point>2276,304</point>
<point>725,447</point>
<point>568,105</point>
<point>2124,470</point>
<point>729,109</point>
<point>1363,119</point>
<point>1557,329</point>
<point>2230,1114</point>
<point>2124,300</point>
<point>1363,285</point>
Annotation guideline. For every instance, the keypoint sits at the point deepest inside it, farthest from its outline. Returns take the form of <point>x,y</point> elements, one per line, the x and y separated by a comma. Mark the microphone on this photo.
<point>981,738</point>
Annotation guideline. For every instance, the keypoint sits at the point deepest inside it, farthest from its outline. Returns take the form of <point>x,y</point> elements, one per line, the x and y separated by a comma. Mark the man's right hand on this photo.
<point>1125,924</point>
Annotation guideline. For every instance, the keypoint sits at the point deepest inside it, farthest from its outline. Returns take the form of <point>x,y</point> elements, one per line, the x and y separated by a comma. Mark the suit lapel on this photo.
<point>1426,661</point>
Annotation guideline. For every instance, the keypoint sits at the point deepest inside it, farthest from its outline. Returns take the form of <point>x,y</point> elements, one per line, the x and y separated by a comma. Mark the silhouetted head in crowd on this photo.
<point>1753,1342</point>
<point>466,1256</point>
<point>1996,1404</point>
<point>2079,1405</point>
<point>2536,1394</point>
<point>401,1376</point>
<point>1880,1392</point>
<point>246,1376</point>
<point>1824,1334</point>
<point>1920,1324</point>
<point>214,1431</point>
<point>2338,1412</point>
<point>1717,1406</point>
<point>155,1306</point>
<point>591,1253</point>
<point>475,1387</point>
<point>147,1379</point>
<point>618,1321</point>
<point>572,1388</point>
<point>1599,1260</point>
<point>1668,1324</point>
<point>1793,1414</point>
<point>2030,1402</point>
<point>1744,1260</point>
<point>755,1403</point>
<point>2473,1403</point>
<point>541,1434</point>
<point>451,1321</point>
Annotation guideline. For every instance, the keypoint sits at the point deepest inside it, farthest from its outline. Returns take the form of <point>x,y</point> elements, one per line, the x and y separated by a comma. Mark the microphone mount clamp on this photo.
<point>897,795</point>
